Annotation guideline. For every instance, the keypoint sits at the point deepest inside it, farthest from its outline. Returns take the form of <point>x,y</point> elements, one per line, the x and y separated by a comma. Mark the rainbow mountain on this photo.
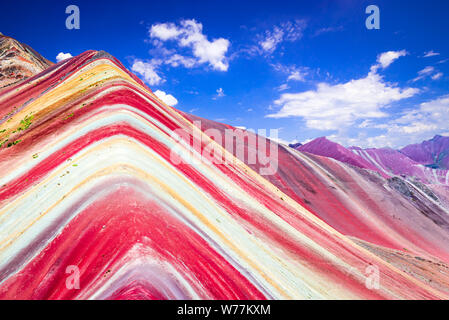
<point>144,201</point>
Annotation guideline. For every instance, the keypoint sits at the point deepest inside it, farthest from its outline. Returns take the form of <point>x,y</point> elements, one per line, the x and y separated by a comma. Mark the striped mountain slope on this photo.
<point>100,176</point>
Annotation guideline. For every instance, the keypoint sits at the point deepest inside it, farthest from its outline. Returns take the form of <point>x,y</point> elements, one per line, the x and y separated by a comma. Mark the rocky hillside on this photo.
<point>18,61</point>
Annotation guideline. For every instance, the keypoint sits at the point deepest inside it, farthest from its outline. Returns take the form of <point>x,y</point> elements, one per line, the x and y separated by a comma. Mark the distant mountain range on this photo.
<point>426,162</point>
<point>433,153</point>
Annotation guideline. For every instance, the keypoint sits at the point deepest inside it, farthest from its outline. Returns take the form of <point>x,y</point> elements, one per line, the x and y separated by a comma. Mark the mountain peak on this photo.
<point>324,138</point>
<point>433,152</point>
<point>18,61</point>
<point>321,142</point>
<point>322,146</point>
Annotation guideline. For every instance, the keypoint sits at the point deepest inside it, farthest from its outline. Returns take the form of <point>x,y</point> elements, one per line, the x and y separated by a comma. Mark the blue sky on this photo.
<point>306,68</point>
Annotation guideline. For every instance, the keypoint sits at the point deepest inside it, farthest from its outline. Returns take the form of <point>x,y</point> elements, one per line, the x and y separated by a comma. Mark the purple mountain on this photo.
<point>324,147</point>
<point>392,162</point>
<point>433,153</point>
<point>386,161</point>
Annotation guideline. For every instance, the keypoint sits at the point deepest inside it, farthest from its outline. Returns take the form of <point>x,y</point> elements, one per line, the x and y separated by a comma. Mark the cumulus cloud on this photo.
<point>189,34</point>
<point>166,98</point>
<point>62,56</point>
<point>148,71</point>
<point>177,60</point>
<point>287,31</point>
<point>418,124</point>
<point>430,53</point>
<point>429,116</point>
<point>164,31</point>
<point>356,111</point>
<point>332,107</point>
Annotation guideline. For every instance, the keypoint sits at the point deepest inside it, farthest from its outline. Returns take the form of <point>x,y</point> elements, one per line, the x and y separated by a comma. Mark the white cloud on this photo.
<point>430,53</point>
<point>287,31</point>
<point>189,34</point>
<point>272,39</point>
<point>296,76</point>
<point>166,98</point>
<point>294,73</point>
<point>62,56</point>
<point>148,71</point>
<point>426,72</point>
<point>357,110</point>
<point>350,108</point>
<point>332,107</point>
<point>387,58</point>
<point>177,60</point>
<point>429,114</point>
<point>220,94</point>
<point>283,87</point>
<point>421,123</point>
<point>164,31</point>
<point>437,76</point>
